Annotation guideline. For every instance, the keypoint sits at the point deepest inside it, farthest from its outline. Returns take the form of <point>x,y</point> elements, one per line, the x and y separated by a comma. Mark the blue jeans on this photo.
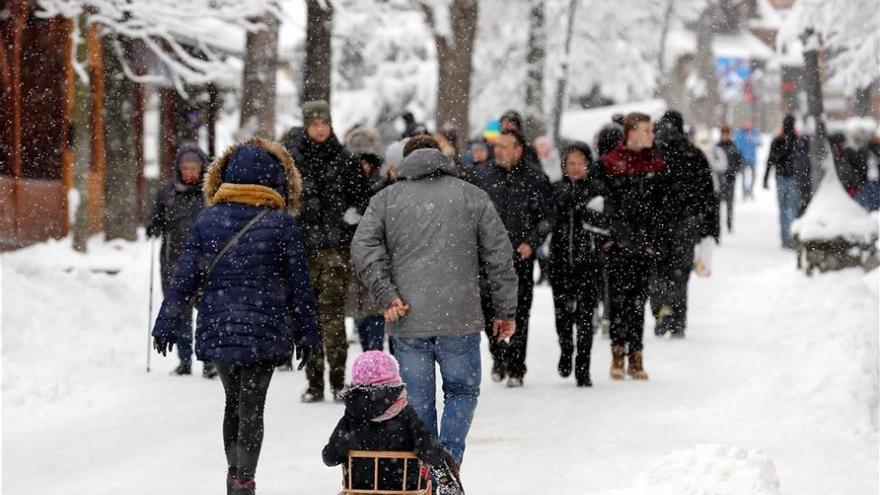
<point>459,360</point>
<point>788,198</point>
<point>371,331</point>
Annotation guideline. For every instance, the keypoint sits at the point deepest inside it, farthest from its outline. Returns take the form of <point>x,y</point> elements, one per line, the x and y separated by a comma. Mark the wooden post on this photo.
<point>67,131</point>
<point>97,169</point>
<point>19,17</point>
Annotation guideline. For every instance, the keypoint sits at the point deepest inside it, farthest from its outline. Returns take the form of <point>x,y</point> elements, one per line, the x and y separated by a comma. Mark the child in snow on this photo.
<point>377,417</point>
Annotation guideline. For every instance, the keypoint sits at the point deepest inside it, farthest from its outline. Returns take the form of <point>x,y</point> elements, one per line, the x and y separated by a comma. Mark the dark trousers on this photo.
<point>669,282</point>
<point>727,195</point>
<point>628,276</point>
<point>512,356</point>
<point>245,386</point>
<point>575,294</point>
<point>185,334</point>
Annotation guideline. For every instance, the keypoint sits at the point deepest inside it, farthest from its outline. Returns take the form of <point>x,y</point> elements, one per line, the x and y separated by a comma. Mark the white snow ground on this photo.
<point>774,391</point>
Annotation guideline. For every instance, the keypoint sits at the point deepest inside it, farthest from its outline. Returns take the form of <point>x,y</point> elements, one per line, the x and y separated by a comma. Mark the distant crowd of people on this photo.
<point>432,247</point>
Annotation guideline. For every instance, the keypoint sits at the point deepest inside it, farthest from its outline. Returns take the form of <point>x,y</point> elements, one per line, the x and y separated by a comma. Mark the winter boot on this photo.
<point>209,371</point>
<point>582,372</point>
<point>244,487</point>
<point>664,320</point>
<point>311,395</point>
<point>445,480</point>
<point>636,370</point>
<point>498,371</point>
<point>183,369</point>
<point>564,367</point>
<point>617,355</point>
<point>515,382</point>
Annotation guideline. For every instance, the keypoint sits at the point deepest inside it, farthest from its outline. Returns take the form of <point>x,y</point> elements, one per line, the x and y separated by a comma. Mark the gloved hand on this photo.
<point>304,351</point>
<point>162,345</point>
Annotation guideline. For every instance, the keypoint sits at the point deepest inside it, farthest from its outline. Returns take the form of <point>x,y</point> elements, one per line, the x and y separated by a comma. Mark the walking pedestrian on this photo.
<point>523,198</point>
<point>419,249</point>
<point>783,158</point>
<point>178,203</point>
<point>244,261</point>
<point>334,191</point>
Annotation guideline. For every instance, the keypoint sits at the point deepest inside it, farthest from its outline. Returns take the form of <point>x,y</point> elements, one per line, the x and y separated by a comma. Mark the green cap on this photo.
<point>312,110</point>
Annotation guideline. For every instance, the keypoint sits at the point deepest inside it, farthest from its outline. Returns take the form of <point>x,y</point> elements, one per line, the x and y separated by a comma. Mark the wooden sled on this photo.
<point>410,462</point>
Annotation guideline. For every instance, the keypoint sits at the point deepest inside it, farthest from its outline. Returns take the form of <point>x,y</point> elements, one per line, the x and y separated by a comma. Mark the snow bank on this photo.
<point>833,214</point>
<point>708,470</point>
<point>583,125</point>
<point>63,320</point>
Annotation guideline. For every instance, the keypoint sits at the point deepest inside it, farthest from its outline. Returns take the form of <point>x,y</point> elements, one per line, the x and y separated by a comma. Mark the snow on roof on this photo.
<point>833,214</point>
<point>768,17</point>
<point>583,125</point>
<point>742,44</point>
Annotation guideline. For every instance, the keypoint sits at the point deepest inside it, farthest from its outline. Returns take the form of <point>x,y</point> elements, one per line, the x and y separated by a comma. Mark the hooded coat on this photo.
<point>258,299</point>
<point>333,184</point>
<point>175,210</point>
<point>424,239</point>
<point>689,203</point>
<point>357,431</point>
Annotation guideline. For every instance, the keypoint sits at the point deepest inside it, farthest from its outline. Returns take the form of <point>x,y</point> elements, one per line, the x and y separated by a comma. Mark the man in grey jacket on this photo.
<point>419,248</point>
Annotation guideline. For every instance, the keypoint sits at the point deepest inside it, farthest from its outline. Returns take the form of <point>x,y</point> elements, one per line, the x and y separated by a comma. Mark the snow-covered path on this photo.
<point>777,380</point>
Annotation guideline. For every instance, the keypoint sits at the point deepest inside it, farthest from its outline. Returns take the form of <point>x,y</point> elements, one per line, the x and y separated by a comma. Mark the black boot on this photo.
<point>565,356</point>
<point>183,369</point>
<point>244,487</point>
<point>582,372</point>
<point>209,371</point>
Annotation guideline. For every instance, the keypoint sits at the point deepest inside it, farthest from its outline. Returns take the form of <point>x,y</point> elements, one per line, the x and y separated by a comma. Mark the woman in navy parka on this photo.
<point>257,302</point>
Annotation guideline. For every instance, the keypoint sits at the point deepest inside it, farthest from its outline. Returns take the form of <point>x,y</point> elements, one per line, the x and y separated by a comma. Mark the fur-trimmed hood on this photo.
<point>214,176</point>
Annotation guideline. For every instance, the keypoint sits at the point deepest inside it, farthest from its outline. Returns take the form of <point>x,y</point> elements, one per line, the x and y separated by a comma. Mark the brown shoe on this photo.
<point>617,354</point>
<point>635,366</point>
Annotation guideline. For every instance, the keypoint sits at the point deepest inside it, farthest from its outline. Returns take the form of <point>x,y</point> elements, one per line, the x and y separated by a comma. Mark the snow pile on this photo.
<point>64,319</point>
<point>832,214</point>
<point>708,470</point>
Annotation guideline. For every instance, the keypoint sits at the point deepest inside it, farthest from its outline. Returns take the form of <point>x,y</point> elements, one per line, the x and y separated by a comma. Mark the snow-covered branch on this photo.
<point>183,35</point>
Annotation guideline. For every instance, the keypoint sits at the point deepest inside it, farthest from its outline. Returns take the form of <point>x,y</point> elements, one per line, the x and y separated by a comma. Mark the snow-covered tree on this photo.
<point>849,30</point>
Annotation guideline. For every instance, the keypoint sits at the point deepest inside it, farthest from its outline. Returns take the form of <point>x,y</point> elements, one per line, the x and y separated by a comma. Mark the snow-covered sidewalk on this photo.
<point>774,391</point>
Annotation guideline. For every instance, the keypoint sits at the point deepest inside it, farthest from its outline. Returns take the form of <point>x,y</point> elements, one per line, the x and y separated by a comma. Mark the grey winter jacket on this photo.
<point>424,240</point>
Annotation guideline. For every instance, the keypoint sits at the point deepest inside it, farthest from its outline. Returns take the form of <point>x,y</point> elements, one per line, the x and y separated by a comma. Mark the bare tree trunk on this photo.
<point>661,54</point>
<point>535,124</point>
<point>563,80</point>
<point>863,100</point>
<point>82,144</point>
<point>258,86</point>
<point>120,181</point>
<point>707,113</point>
<point>815,105</point>
<point>455,65</point>
<point>316,73</point>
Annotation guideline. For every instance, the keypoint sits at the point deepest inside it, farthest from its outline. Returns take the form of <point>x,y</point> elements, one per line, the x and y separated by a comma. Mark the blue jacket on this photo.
<point>258,300</point>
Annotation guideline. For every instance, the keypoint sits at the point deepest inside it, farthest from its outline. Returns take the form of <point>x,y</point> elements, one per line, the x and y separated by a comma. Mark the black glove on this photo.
<point>162,345</point>
<point>303,352</point>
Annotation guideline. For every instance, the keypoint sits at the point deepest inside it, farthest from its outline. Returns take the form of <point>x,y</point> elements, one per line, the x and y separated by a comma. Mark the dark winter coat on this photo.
<point>356,431</point>
<point>631,183</point>
<point>258,299</point>
<point>575,246</point>
<point>785,156</point>
<point>175,210</point>
<point>333,184</point>
<point>735,160</point>
<point>689,200</point>
<point>523,198</point>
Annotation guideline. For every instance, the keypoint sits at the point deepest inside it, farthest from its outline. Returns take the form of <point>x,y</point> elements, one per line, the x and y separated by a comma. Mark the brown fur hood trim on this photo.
<point>214,176</point>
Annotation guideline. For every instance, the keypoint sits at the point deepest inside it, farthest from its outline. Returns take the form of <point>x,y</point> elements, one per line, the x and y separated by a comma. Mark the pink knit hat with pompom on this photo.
<point>375,368</point>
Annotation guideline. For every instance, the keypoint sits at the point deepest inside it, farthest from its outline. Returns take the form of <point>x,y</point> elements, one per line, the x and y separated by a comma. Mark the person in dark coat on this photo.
<point>522,195</point>
<point>512,120</point>
<point>178,202</point>
<point>630,179</point>
<point>378,418</point>
<point>575,269</point>
<point>689,213</point>
<point>256,299</point>
<point>727,182</point>
<point>784,158</point>
<point>334,192</point>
